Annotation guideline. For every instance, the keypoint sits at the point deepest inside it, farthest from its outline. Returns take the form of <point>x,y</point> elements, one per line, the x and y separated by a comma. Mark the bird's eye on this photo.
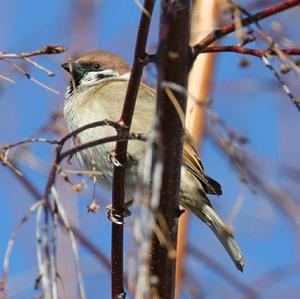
<point>96,66</point>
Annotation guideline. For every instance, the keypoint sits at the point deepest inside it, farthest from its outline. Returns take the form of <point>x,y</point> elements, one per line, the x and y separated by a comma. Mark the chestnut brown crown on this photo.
<point>94,68</point>
<point>106,60</point>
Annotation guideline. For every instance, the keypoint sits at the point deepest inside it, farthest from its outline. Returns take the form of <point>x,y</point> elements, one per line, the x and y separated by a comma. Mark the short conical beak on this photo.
<point>66,66</point>
<point>73,67</point>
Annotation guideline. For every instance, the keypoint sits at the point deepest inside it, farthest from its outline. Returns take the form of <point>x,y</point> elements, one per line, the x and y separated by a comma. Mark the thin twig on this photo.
<point>31,189</point>
<point>251,174</point>
<point>249,51</point>
<point>65,221</point>
<point>38,66</point>
<point>29,77</point>
<point>46,50</point>
<point>6,259</point>
<point>53,265</point>
<point>105,122</point>
<point>70,153</point>
<point>30,140</point>
<point>39,250</point>
<point>285,88</point>
<point>7,79</point>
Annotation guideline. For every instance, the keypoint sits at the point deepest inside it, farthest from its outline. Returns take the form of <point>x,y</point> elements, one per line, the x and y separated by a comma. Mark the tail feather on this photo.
<point>224,236</point>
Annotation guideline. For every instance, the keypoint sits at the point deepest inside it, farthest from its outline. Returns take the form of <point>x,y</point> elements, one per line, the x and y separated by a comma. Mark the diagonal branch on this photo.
<point>219,33</point>
<point>249,51</point>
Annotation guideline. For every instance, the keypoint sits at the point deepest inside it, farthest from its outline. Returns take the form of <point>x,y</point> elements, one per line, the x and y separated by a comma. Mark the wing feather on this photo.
<point>192,162</point>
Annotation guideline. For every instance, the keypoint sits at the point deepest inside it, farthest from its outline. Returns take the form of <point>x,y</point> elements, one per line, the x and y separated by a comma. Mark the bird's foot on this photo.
<point>179,211</point>
<point>117,217</point>
<point>112,157</point>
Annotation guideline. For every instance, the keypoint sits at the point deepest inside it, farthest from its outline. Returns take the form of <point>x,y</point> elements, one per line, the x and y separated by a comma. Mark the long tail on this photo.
<point>224,236</point>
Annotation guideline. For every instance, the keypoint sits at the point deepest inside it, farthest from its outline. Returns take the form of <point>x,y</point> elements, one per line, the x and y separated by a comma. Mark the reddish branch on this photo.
<point>249,51</point>
<point>219,33</point>
<point>173,66</point>
<point>118,193</point>
<point>60,156</point>
<point>120,137</point>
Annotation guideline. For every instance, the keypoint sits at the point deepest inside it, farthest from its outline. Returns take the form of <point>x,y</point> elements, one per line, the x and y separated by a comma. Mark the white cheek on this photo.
<point>89,79</point>
<point>93,78</point>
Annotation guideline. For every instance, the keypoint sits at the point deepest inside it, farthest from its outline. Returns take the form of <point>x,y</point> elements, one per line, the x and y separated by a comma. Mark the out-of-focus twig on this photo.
<point>29,77</point>
<point>219,269</point>
<point>286,89</point>
<point>251,174</point>
<point>67,225</point>
<point>100,256</point>
<point>7,79</point>
<point>6,259</point>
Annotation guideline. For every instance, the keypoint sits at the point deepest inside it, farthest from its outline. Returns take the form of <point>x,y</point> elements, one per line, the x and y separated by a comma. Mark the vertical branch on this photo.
<point>173,66</point>
<point>118,193</point>
<point>203,20</point>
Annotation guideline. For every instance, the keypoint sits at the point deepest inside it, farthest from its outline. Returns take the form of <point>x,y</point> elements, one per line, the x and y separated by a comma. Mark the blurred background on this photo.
<point>248,100</point>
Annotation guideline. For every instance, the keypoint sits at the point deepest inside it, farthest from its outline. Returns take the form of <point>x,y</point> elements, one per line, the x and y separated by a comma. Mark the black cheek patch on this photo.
<point>102,76</point>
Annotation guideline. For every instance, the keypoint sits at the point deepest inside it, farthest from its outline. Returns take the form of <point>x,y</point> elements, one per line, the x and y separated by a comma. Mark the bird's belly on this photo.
<point>99,158</point>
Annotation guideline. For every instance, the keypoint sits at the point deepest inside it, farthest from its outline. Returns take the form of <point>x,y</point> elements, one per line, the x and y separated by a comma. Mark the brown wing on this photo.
<point>192,162</point>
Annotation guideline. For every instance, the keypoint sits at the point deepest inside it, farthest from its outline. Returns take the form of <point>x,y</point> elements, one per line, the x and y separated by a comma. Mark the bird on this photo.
<point>96,92</point>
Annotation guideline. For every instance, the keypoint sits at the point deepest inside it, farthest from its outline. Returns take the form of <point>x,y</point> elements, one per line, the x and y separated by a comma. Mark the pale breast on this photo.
<point>101,102</point>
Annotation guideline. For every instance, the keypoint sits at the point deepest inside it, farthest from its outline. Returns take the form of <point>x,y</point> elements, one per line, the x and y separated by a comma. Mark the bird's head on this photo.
<point>94,68</point>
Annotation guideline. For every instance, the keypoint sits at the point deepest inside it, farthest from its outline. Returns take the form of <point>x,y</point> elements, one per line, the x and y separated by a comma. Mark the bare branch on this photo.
<point>173,66</point>
<point>249,51</point>
<point>118,193</point>
<point>46,50</point>
<point>219,33</point>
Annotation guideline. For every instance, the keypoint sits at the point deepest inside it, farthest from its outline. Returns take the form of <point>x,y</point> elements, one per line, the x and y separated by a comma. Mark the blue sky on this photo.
<point>248,100</point>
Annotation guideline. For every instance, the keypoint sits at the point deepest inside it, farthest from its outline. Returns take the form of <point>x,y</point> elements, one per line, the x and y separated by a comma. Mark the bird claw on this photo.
<point>117,218</point>
<point>121,295</point>
<point>112,157</point>
<point>179,212</point>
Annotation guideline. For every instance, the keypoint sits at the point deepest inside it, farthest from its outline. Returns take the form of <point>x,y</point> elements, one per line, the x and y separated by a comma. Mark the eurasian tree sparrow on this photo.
<point>100,80</point>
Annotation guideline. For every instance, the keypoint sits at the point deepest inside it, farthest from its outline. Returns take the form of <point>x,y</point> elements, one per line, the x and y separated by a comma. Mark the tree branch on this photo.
<point>249,51</point>
<point>173,66</point>
<point>46,50</point>
<point>219,33</point>
<point>118,193</point>
<point>91,247</point>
